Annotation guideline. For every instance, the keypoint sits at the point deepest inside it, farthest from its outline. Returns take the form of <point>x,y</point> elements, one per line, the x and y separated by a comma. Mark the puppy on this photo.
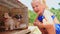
<point>9,22</point>
<point>17,19</point>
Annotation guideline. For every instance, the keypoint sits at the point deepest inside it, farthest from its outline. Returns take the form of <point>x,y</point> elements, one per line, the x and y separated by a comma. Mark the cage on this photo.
<point>13,7</point>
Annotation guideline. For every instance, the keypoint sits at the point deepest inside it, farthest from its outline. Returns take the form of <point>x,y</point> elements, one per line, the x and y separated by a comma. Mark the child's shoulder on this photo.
<point>48,12</point>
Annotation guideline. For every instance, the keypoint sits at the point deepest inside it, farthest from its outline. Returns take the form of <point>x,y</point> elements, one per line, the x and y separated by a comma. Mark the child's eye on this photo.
<point>33,7</point>
<point>36,5</point>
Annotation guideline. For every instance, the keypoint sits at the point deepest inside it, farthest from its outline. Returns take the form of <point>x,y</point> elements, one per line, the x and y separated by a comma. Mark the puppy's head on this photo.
<point>18,17</point>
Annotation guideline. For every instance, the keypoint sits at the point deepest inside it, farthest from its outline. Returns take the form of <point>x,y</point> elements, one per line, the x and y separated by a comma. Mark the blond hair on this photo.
<point>41,1</point>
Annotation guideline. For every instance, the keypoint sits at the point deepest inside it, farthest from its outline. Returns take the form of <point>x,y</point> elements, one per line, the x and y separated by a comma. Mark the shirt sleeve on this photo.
<point>53,16</point>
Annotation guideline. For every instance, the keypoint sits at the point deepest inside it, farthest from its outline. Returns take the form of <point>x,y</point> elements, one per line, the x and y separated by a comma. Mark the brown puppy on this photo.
<point>17,19</point>
<point>9,22</point>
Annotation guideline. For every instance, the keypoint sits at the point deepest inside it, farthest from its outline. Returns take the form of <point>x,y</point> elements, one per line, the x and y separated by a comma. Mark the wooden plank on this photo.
<point>16,32</point>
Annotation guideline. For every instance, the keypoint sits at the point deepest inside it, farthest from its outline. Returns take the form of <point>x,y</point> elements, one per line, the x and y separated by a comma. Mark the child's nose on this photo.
<point>35,9</point>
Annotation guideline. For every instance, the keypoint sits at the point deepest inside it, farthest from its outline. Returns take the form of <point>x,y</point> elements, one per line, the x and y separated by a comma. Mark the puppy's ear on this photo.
<point>9,14</point>
<point>16,16</point>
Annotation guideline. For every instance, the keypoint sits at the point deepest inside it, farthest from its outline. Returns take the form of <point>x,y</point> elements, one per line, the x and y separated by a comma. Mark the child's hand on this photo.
<point>36,23</point>
<point>45,22</point>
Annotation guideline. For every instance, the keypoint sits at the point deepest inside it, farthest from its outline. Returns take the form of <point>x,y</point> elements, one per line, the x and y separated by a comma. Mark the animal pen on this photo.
<point>13,7</point>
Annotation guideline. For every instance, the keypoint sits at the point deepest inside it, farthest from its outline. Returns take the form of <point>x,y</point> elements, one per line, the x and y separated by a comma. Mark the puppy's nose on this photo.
<point>19,19</point>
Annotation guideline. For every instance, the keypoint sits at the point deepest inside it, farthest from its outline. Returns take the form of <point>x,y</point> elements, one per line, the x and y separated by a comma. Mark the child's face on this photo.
<point>37,7</point>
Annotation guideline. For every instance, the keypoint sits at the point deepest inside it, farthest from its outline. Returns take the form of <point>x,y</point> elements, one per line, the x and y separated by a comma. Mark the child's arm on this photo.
<point>47,24</point>
<point>38,23</point>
